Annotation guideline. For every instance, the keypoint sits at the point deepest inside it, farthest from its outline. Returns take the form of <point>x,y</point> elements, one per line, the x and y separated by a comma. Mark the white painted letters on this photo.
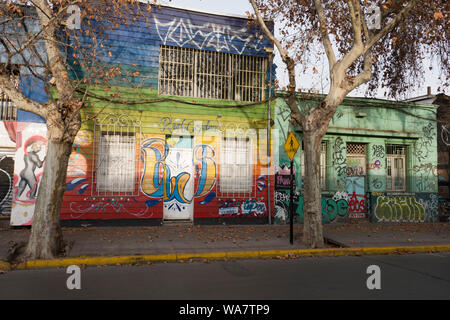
<point>74,281</point>
<point>374,281</point>
<point>74,20</point>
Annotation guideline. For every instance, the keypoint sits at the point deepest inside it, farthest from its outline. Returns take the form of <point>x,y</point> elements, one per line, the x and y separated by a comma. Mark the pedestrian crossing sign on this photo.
<point>291,146</point>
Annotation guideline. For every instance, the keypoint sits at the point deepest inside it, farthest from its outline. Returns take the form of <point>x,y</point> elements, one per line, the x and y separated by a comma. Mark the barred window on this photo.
<point>236,169</point>
<point>395,168</point>
<point>8,110</point>
<point>209,74</point>
<point>356,159</point>
<point>116,162</point>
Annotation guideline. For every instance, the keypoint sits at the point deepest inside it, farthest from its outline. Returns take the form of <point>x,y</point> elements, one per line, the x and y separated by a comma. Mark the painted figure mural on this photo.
<point>34,148</point>
<point>28,169</point>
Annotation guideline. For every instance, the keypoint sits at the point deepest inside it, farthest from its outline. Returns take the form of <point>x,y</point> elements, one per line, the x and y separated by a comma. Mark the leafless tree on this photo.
<point>48,40</point>
<point>379,42</point>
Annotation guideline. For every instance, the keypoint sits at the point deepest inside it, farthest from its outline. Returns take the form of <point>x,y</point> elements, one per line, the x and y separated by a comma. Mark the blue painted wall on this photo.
<point>135,46</point>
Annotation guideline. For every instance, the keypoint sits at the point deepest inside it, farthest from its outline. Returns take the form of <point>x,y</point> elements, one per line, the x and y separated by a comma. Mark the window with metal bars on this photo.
<point>395,168</point>
<point>356,148</point>
<point>116,157</point>
<point>356,159</point>
<point>236,168</point>
<point>323,164</point>
<point>8,110</point>
<point>209,74</point>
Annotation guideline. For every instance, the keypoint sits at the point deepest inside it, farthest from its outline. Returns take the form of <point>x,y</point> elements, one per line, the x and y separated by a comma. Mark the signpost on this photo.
<point>291,146</point>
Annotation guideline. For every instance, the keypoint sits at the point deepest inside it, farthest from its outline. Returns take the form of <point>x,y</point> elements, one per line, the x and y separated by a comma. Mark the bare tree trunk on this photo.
<point>314,129</point>
<point>312,225</point>
<point>46,240</point>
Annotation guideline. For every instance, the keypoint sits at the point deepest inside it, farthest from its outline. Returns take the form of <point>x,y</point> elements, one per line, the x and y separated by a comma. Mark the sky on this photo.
<point>316,82</point>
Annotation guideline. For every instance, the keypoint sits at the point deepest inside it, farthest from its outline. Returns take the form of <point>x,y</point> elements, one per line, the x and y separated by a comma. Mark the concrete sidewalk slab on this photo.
<point>382,235</point>
<point>112,245</point>
<point>167,239</point>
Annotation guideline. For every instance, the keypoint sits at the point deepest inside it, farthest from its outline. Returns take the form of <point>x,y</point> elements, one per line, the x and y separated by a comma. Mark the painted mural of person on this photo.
<point>32,161</point>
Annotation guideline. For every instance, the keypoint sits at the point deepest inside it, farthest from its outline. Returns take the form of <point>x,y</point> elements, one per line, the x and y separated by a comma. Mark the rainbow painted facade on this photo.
<point>187,131</point>
<point>198,156</point>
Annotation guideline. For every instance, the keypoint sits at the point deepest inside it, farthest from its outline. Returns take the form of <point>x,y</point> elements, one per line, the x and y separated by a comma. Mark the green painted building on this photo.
<point>378,162</point>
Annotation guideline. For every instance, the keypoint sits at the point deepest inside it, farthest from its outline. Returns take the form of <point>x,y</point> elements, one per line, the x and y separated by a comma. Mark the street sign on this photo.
<point>291,146</point>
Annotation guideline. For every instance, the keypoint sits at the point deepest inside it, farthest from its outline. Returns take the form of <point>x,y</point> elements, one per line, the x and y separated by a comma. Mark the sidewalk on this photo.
<point>242,241</point>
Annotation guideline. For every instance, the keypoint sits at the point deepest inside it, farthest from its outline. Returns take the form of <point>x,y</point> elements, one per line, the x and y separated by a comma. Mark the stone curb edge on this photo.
<point>184,257</point>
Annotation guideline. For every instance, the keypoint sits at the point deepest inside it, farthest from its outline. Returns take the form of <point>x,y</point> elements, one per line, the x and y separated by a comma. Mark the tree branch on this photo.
<point>18,98</point>
<point>325,36</point>
<point>400,16</point>
<point>286,59</point>
<point>57,67</point>
<point>357,49</point>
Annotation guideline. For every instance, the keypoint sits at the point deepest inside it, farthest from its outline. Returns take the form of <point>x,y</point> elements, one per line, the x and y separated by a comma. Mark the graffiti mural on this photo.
<point>376,183</point>
<point>355,187</point>
<point>333,208</point>
<point>378,151</point>
<point>166,177</point>
<point>229,207</point>
<point>426,177</point>
<point>424,145</point>
<point>28,169</point>
<point>6,184</point>
<point>34,157</point>
<point>182,32</point>
<point>445,134</point>
<point>399,209</point>
<point>103,205</point>
<point>339,161</point>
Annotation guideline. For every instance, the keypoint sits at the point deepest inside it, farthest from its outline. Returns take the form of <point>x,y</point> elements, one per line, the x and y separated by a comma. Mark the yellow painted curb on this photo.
<point>172,257</point>
<point>4,266</point>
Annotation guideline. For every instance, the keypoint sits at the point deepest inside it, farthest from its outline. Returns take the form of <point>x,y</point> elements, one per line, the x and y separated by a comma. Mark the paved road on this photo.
<point>418,276</point>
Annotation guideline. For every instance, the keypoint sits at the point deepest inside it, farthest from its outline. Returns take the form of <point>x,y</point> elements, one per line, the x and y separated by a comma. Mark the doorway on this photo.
<point>179,179</point>
<point>356,180</point>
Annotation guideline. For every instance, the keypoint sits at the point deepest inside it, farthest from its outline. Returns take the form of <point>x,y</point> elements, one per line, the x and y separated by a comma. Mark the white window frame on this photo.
<point>393,172</point>
<point>116,159</point>
<point>236,176</point>
<point>116,164</point>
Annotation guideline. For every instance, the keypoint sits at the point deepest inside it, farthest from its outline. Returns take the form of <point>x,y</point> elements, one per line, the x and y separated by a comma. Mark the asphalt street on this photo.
<point>415,276</point>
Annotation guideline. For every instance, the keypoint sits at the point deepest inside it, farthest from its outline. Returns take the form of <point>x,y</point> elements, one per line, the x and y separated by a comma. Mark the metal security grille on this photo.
<point>236,176</point>
<point>395,150</point>
<point>209,74</point>
<point>8,110</point>
<point>356,148</point>
<point>117,164</point>
<point>395,168</point>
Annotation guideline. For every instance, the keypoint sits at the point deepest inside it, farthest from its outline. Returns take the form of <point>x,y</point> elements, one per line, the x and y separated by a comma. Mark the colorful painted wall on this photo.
<point>7,155</point>
<point>443,102</point>
<point>355,187</point>
<point>160,186</point>
<point>134,49</point>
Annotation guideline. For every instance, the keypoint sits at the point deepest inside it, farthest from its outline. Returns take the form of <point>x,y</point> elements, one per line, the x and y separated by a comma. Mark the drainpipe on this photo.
<point>269,120</point>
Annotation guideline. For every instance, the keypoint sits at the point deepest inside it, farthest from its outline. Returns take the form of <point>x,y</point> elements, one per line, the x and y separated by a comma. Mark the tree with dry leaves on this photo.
<point>47,40</point>
<point>381,43</point>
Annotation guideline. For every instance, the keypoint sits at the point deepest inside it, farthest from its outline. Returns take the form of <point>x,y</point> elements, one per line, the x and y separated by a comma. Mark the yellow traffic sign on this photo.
<point>291,146</point>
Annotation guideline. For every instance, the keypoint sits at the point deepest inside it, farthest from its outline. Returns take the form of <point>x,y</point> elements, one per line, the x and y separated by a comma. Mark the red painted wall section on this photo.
<point>155,186</point>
